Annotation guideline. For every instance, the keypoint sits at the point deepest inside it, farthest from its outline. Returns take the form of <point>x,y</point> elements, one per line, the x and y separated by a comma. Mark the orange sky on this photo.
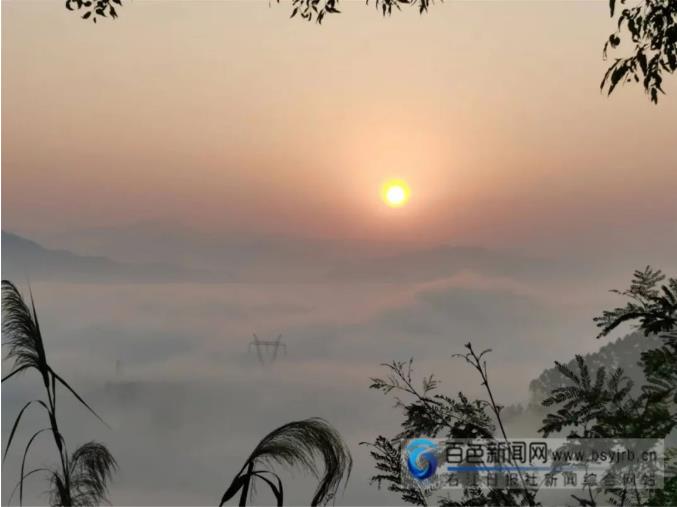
<point>228,115</point>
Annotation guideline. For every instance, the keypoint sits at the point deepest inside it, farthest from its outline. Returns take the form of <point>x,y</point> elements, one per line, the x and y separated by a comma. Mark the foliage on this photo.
<point>83,476</point>
<point>310,10</point>
<point>653,307</point>
<point>667,495</point>
<point>90,9</point>
<point>651,25</point>
<point>432,414</point>
<point>605,407</point>
<point>659,367</point>
<point>587,404</point>
<point>295,444</point>
<point>436,415</point>
<point>317,9</point>
<point>622,353</point>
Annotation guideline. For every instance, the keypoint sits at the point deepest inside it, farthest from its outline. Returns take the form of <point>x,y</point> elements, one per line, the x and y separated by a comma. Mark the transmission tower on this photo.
<point>267,348</point>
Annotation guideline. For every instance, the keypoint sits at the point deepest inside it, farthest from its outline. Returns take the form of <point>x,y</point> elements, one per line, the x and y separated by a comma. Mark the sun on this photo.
<point>395,193</point>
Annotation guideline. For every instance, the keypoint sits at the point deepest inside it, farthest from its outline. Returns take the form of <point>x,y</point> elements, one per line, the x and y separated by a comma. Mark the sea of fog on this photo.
<point>169,367</point>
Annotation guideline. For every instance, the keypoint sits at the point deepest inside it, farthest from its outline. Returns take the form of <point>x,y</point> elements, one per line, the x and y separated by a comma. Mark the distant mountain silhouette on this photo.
<point>622,353</point>
<point>25,259</point>
<point>441,261</point>
<point>252,257</point>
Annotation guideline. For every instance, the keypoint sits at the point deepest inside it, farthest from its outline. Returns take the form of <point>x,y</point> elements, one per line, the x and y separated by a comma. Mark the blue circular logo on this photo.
<point>421,459</point>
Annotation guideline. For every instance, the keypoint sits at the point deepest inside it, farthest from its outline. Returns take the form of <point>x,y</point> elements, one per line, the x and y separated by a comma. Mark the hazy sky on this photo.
<point>228,115</point>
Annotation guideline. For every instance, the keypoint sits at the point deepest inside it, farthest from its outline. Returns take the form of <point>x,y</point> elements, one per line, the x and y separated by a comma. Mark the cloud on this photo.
<point>190,399</point>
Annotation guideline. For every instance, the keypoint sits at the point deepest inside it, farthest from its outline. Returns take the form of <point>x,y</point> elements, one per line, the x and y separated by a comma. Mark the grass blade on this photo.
<point>79,398</point>
<point>278,490</point>
<point>18,370</point>
<point>232,490</point>
<point>28,474</point>
<point>16,423</point>
<point>23,463</point>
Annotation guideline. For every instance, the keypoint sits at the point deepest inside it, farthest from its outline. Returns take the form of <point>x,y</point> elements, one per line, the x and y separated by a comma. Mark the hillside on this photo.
<point>25,259</point>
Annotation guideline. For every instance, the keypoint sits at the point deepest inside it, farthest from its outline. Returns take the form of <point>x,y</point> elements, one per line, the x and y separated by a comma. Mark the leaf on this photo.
<point>23,462</point>
<point>28,474</point>
<point>235,486</point>
<point>18,370</point>
<point>16,423</point>
<point>79,398</point>
<point>278,490</point>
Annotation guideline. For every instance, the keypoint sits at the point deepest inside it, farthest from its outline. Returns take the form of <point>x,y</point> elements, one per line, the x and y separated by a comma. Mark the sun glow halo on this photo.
<point>395,193</point>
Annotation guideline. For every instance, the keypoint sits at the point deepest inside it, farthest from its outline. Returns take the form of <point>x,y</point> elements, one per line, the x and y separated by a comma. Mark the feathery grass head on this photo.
<point>86,482</point>
<point>298,443</point>
<point>21,331</point>
<point>83,477</point>
<point>91,468</point>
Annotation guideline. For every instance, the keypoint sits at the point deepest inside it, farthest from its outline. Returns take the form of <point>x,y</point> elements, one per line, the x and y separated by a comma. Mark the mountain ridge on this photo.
<point>23,257</point>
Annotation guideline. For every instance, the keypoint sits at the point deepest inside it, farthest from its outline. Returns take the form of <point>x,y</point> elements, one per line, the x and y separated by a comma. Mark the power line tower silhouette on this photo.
<point>270,347</point>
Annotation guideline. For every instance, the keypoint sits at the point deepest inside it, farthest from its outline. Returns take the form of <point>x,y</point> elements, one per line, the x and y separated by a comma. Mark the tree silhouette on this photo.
<point>436,415</point>
<point>653,310</point>
<point>622,353</point>
<point>83,476</point>
<point>606,407</point>
<point>583,403</point>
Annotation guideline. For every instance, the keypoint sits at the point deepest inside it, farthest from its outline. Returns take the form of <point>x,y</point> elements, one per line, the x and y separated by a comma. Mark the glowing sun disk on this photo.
<point>395,193</point>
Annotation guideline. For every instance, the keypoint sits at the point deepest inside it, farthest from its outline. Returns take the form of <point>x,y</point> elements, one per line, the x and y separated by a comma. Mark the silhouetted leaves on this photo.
<point>651,26</point>
<point>91,9</point>
<point>387,454</point>
<point>653,308</point>
<point>623,353</point>
<point>660,367</point>
<point>430,414</point>
<point>316,10</point>
<point>310,10</point>
<point>652,304</point>
<point>607,406</point>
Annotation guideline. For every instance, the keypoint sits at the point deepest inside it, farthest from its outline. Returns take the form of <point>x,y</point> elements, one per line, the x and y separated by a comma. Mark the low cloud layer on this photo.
<point>170,367</point>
